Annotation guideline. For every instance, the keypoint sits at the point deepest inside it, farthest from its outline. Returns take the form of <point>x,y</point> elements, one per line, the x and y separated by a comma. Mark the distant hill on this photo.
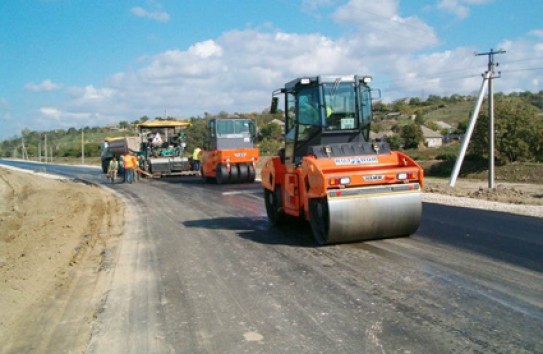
<point>453,110</point>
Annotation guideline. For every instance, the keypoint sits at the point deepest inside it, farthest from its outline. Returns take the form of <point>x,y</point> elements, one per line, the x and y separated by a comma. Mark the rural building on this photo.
<point>443,126</point>
<point>431,138</point>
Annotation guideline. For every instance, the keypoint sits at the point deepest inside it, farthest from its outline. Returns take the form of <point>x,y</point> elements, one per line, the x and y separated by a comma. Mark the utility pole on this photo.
<point>45,148</point>
<point>82,147</point>
<point>487,79</point>
<point>25,153</point>
<point>491,113</point>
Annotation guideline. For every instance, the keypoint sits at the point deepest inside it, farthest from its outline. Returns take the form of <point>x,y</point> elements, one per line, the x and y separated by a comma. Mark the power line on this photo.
<point>428,79</point>
<point>526,69</point>
<point>426,82</point>
<point>521,60</point>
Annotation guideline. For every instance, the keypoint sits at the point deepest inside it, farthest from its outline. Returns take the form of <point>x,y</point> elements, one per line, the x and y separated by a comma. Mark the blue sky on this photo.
<point>75,63</point>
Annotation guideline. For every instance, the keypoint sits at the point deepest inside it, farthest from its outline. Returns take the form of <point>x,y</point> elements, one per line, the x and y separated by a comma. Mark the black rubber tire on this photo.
<point>274,209</point>
<point>243,173</point>
<point>252,173</point>
<point>319,218</point>
<point>234,173</point>
<point>222,174</point>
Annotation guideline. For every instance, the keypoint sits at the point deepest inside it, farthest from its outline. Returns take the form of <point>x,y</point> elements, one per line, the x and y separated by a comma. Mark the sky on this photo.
<point>77,63</point>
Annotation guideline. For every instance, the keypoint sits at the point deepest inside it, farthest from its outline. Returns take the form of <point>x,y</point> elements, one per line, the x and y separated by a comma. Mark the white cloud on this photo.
<point>438,73</point>
<point>312,7</point>
<point>206,49</point>
<point>380,27</point>
<point>91,93</point>
<point>51,112</point>
<point>157,15</point>
<point>520,66</point>
<point>44,86</point>
<point>460,8</point>
<point>537,33</point>
<point>49,117</point>
<point>237,71</point>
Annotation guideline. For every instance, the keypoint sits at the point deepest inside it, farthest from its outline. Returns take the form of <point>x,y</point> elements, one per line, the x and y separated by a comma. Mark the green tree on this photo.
<point>400,106</point>
<point>269,146</point>
<point>415,101</point>
<point>124,124</point>
<point>271,131</point>
<point>518,135</point>
<point>420,119</point>
<point>411,135</point>
<point>434,100</point>
<point>461,127</point>
<point>197,134</point>
<point>395,142</point>
<point>380,107</point>
<point>433,126</point>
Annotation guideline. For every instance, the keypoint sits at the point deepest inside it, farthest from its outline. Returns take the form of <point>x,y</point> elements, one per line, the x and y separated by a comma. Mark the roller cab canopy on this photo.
<point>164,124</point>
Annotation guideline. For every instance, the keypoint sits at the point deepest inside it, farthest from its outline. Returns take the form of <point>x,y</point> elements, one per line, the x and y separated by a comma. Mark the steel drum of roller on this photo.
<point>361,214</point>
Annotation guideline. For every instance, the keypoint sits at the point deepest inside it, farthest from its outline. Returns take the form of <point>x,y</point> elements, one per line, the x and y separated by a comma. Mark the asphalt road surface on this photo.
<point>200,270</point>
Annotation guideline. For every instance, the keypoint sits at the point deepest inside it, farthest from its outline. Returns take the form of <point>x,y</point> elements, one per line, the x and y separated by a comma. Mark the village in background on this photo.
<point>430,129</point>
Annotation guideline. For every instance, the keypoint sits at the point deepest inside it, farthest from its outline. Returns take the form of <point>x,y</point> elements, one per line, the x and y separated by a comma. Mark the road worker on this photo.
<point>136,163</point>
<point>196,159</point>
<point>113,169</point>
<point>129,165</point>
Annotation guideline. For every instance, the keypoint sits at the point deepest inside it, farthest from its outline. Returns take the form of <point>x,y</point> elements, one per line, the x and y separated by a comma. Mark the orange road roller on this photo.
<point>230,157</point>
<point>329,172</point>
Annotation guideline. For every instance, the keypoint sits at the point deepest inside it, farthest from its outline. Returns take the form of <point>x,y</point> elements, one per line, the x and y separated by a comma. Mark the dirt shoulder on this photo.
<point>511,193</point>
<point>516,198</point>
<point>53,238</point>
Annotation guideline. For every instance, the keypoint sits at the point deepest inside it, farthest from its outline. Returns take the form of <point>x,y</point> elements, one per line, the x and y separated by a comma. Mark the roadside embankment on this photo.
<point>52,233</point>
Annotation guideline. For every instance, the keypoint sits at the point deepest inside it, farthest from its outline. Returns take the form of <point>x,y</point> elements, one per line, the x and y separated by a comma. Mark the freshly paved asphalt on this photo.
<point>200,270</point>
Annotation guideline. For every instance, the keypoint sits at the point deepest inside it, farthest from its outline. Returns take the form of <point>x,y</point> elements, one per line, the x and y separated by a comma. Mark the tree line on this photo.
<point>518,118</point>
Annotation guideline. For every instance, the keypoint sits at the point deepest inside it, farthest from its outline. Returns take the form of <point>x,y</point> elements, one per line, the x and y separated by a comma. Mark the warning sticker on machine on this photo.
<point>355,160</point>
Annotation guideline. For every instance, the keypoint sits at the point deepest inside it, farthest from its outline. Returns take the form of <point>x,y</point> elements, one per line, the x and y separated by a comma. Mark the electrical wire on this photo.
<point>519,60</point>
<point>518,70</point>
<point>426,82</point>
<point>429,79</point>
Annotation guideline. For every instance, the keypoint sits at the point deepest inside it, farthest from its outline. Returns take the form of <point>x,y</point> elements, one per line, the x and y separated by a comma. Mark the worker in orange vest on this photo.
<point>128,163</point>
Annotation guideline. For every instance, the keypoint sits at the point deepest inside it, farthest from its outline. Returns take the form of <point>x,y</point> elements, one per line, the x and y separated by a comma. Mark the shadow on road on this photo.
<point>510,238</point>
<point>259,230</point>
